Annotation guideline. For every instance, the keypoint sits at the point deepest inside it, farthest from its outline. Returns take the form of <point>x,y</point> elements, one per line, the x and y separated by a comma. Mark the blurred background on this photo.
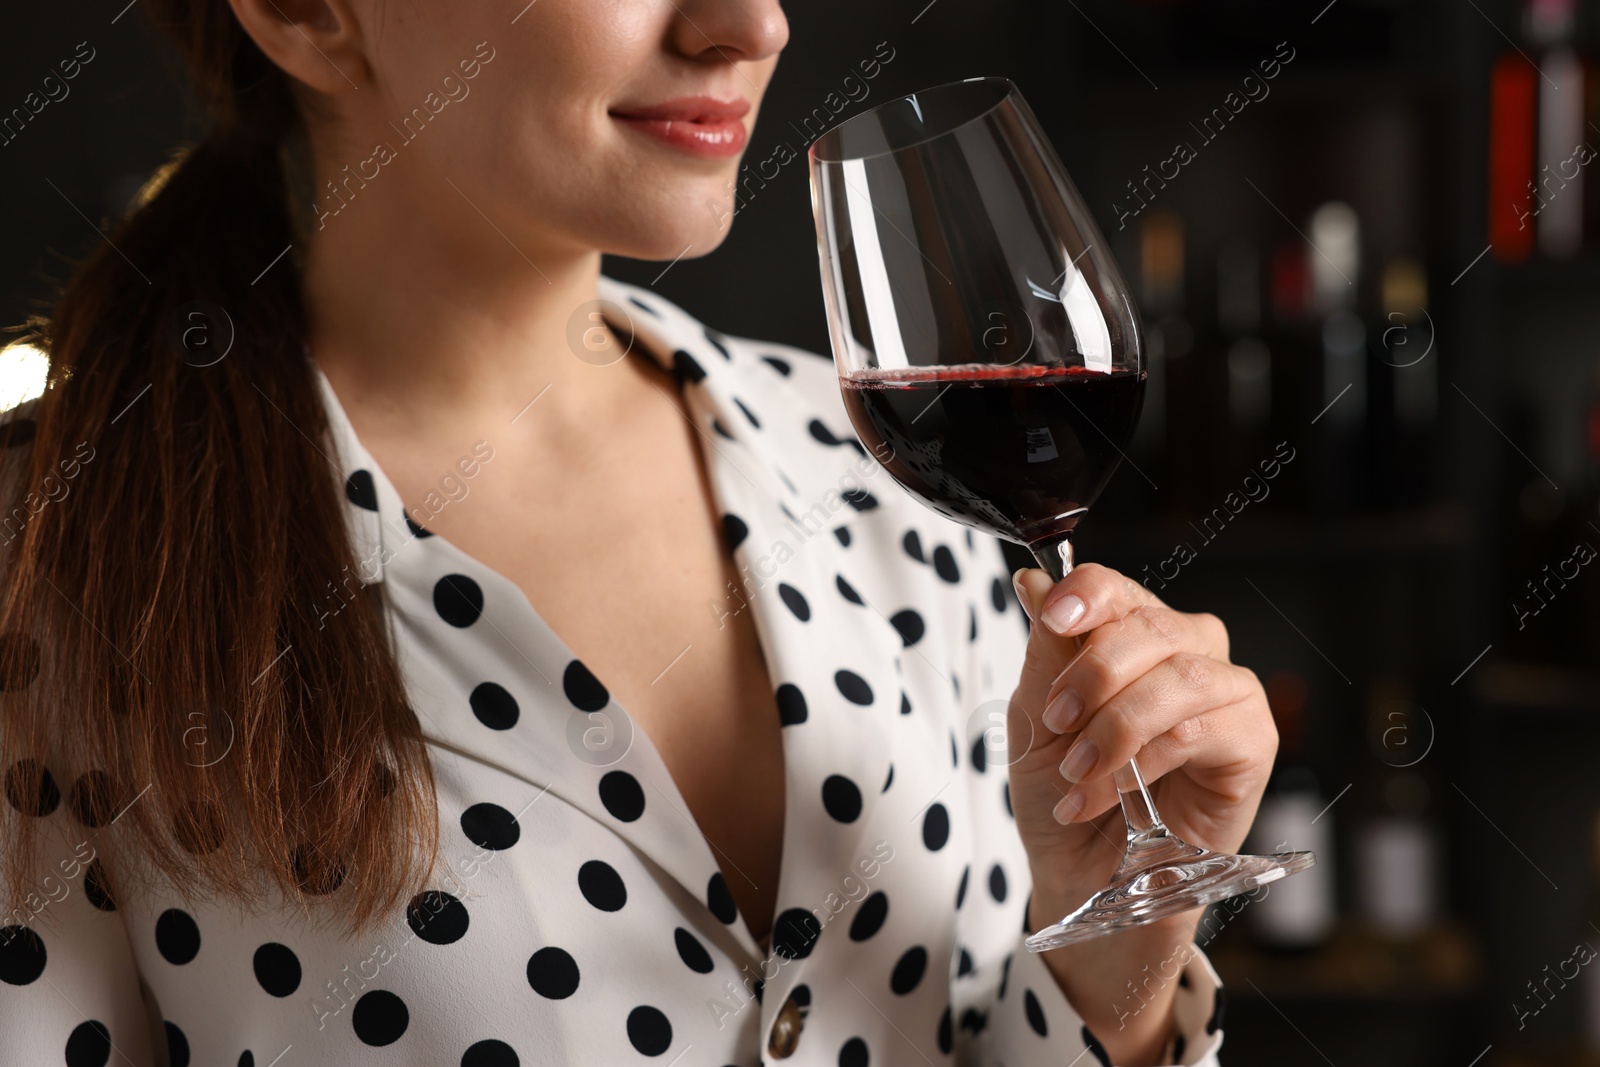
<point>1365,240</point>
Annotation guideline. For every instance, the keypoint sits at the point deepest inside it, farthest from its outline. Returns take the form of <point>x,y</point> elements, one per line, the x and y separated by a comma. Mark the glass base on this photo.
<point>1162,876</point>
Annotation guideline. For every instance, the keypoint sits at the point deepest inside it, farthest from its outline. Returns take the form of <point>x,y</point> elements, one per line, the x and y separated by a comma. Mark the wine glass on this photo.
<point>989,354</point>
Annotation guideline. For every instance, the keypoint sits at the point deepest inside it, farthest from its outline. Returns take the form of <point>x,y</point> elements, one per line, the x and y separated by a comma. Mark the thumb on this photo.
<point>1048,653</point>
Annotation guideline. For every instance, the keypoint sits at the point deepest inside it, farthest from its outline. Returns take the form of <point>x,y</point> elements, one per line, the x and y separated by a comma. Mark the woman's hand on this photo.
<point>1112,672</point>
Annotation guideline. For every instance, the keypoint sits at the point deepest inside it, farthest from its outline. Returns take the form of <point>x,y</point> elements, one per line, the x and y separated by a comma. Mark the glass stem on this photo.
<point>1138,809</point>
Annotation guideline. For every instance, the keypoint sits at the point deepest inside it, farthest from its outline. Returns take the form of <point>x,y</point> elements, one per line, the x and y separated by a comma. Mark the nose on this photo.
<point>731,30</point>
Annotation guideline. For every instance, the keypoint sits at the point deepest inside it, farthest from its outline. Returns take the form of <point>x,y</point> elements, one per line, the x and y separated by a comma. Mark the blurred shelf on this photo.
<point>1523,686</point>
<point>1358,963</point>
<point>1545,1054</point>
<point>1562,278</point>
<point>1291,538</point>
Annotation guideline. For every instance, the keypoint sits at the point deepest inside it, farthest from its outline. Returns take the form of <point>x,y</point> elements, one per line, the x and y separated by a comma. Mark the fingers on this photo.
<point>1175,695</point>
<point>1112,656</point>
<point>1092,595</point>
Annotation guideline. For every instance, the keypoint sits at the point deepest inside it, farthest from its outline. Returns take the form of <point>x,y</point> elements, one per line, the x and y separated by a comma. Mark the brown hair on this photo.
<point>162,656</point>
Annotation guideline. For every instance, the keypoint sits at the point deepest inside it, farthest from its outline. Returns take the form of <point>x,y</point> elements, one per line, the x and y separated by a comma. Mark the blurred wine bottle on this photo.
<point>1172,411</point>
<point>1338,442</point>
<point>1291,338</point>
<point>1396,842</point>
<point>1513,108</point>
<point>1407,355</point>
<point>1247,361</point>
<point>1561,184</point>
<point>1294,914</point>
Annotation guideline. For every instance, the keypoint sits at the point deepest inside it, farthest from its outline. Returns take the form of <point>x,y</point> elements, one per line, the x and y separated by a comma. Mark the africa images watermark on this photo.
<point>1255,89</point>
<point>782,154</point>
<point>411,126</point>
<point>55,89</point>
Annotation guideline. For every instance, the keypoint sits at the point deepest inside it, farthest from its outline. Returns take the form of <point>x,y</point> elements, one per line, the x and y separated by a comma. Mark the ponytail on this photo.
<point>162,661</point>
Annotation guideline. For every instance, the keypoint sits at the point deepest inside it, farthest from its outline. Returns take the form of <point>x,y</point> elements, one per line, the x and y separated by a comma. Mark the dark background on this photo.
<point>1379,578</point>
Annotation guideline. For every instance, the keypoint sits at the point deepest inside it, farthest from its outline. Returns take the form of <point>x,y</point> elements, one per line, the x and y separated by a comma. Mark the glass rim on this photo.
<point>822,150</point>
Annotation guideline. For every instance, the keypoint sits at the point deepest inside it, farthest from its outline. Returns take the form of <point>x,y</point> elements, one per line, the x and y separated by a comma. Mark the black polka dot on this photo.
<point>936,827</point>
<point>869,917</point>
<point>887,782</point>
<point>89,1045</point>
<point>553,973</point>
<point>972,622</point>
<point>1035,1013</point>
<point>494,706</point>
<point>854,1054</point>
<point>490,826</point>
<point>379,1018</point>
<point>841,797</point>
<point>361,490</point>
<point>177,1046</point>
<point>490,1053</point>
<point>1093,1044</point>
<point>649,1031</point>
<point>791,705</point>
<point>1005,792</point>
<point>944,564</point>
<point>795,933</point>
<point>247,1059</point>
<point>1183,979</point>
<point>686,367</point>
<point>842,534</point>
<point>779,365</point>
<point>416,529</point>
<point>715,339</point>
<point>997,594</point>
<point>955,751</point>
<point>622,795</point>
<point>722,431</point>
<point>912,543</point>
<point>583,688</point>
<point>22,955</point>
<point>734,531</point>
<point>201,830</point>
<point>31,789</point>
<point>794,601</point>
<point>947,1037</point>
<point>692,952</point>
<point>909,622</point>
<point>437,917</point>
<point>997,883</point>
<point>277,969</point>
<point>909,971</point>
<point>93,799</point>
<point>974,1020</point>
<point>19,661</point>
<point>1219,1006</point>
<point>905,704</point>
<point>964,965</point>
<point>642,306</point>
<point>980,755</point>
<point>860,499</point>
<point>1005,976</point>
<point>602,886</point>
<point>458,600</point>
<point>847,590</point>
<point>720,900</point>
<point>315,874</point>
<point>853,686</point>
<point>177,937</point>
<point>961,890</point>
<point>94,887</point>
<point>820,431</point>
<point>743,407</point>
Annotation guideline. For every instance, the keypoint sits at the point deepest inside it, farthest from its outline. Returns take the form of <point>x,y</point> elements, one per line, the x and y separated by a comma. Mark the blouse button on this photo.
<point>785,1036</point>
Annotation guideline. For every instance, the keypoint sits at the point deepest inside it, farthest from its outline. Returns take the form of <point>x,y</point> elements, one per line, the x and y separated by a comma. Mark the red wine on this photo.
<point>1019,451</point>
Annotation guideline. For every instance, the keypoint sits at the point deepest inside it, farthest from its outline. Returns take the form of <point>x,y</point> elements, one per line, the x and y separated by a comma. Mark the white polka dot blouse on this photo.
<point>577,915</point>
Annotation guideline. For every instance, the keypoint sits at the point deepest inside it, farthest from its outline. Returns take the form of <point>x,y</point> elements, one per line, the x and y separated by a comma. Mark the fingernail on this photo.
<point>1069,807</point>
<point>1063,613</point>
<point>1022,593</point>
<point>1080,759</point>
<point>1062,713</point>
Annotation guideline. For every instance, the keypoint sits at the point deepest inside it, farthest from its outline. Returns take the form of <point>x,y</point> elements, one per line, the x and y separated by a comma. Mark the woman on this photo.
<point>383,505</point>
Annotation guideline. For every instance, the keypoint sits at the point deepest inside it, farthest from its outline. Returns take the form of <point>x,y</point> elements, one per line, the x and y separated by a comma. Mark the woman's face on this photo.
<point>519,108</point>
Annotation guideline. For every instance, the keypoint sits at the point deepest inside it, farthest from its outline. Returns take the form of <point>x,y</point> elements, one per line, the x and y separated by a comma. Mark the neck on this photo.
<point>436,317</point>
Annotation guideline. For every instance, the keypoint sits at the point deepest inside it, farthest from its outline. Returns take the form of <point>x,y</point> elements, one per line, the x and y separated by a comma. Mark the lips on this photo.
<point>698,125</point>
